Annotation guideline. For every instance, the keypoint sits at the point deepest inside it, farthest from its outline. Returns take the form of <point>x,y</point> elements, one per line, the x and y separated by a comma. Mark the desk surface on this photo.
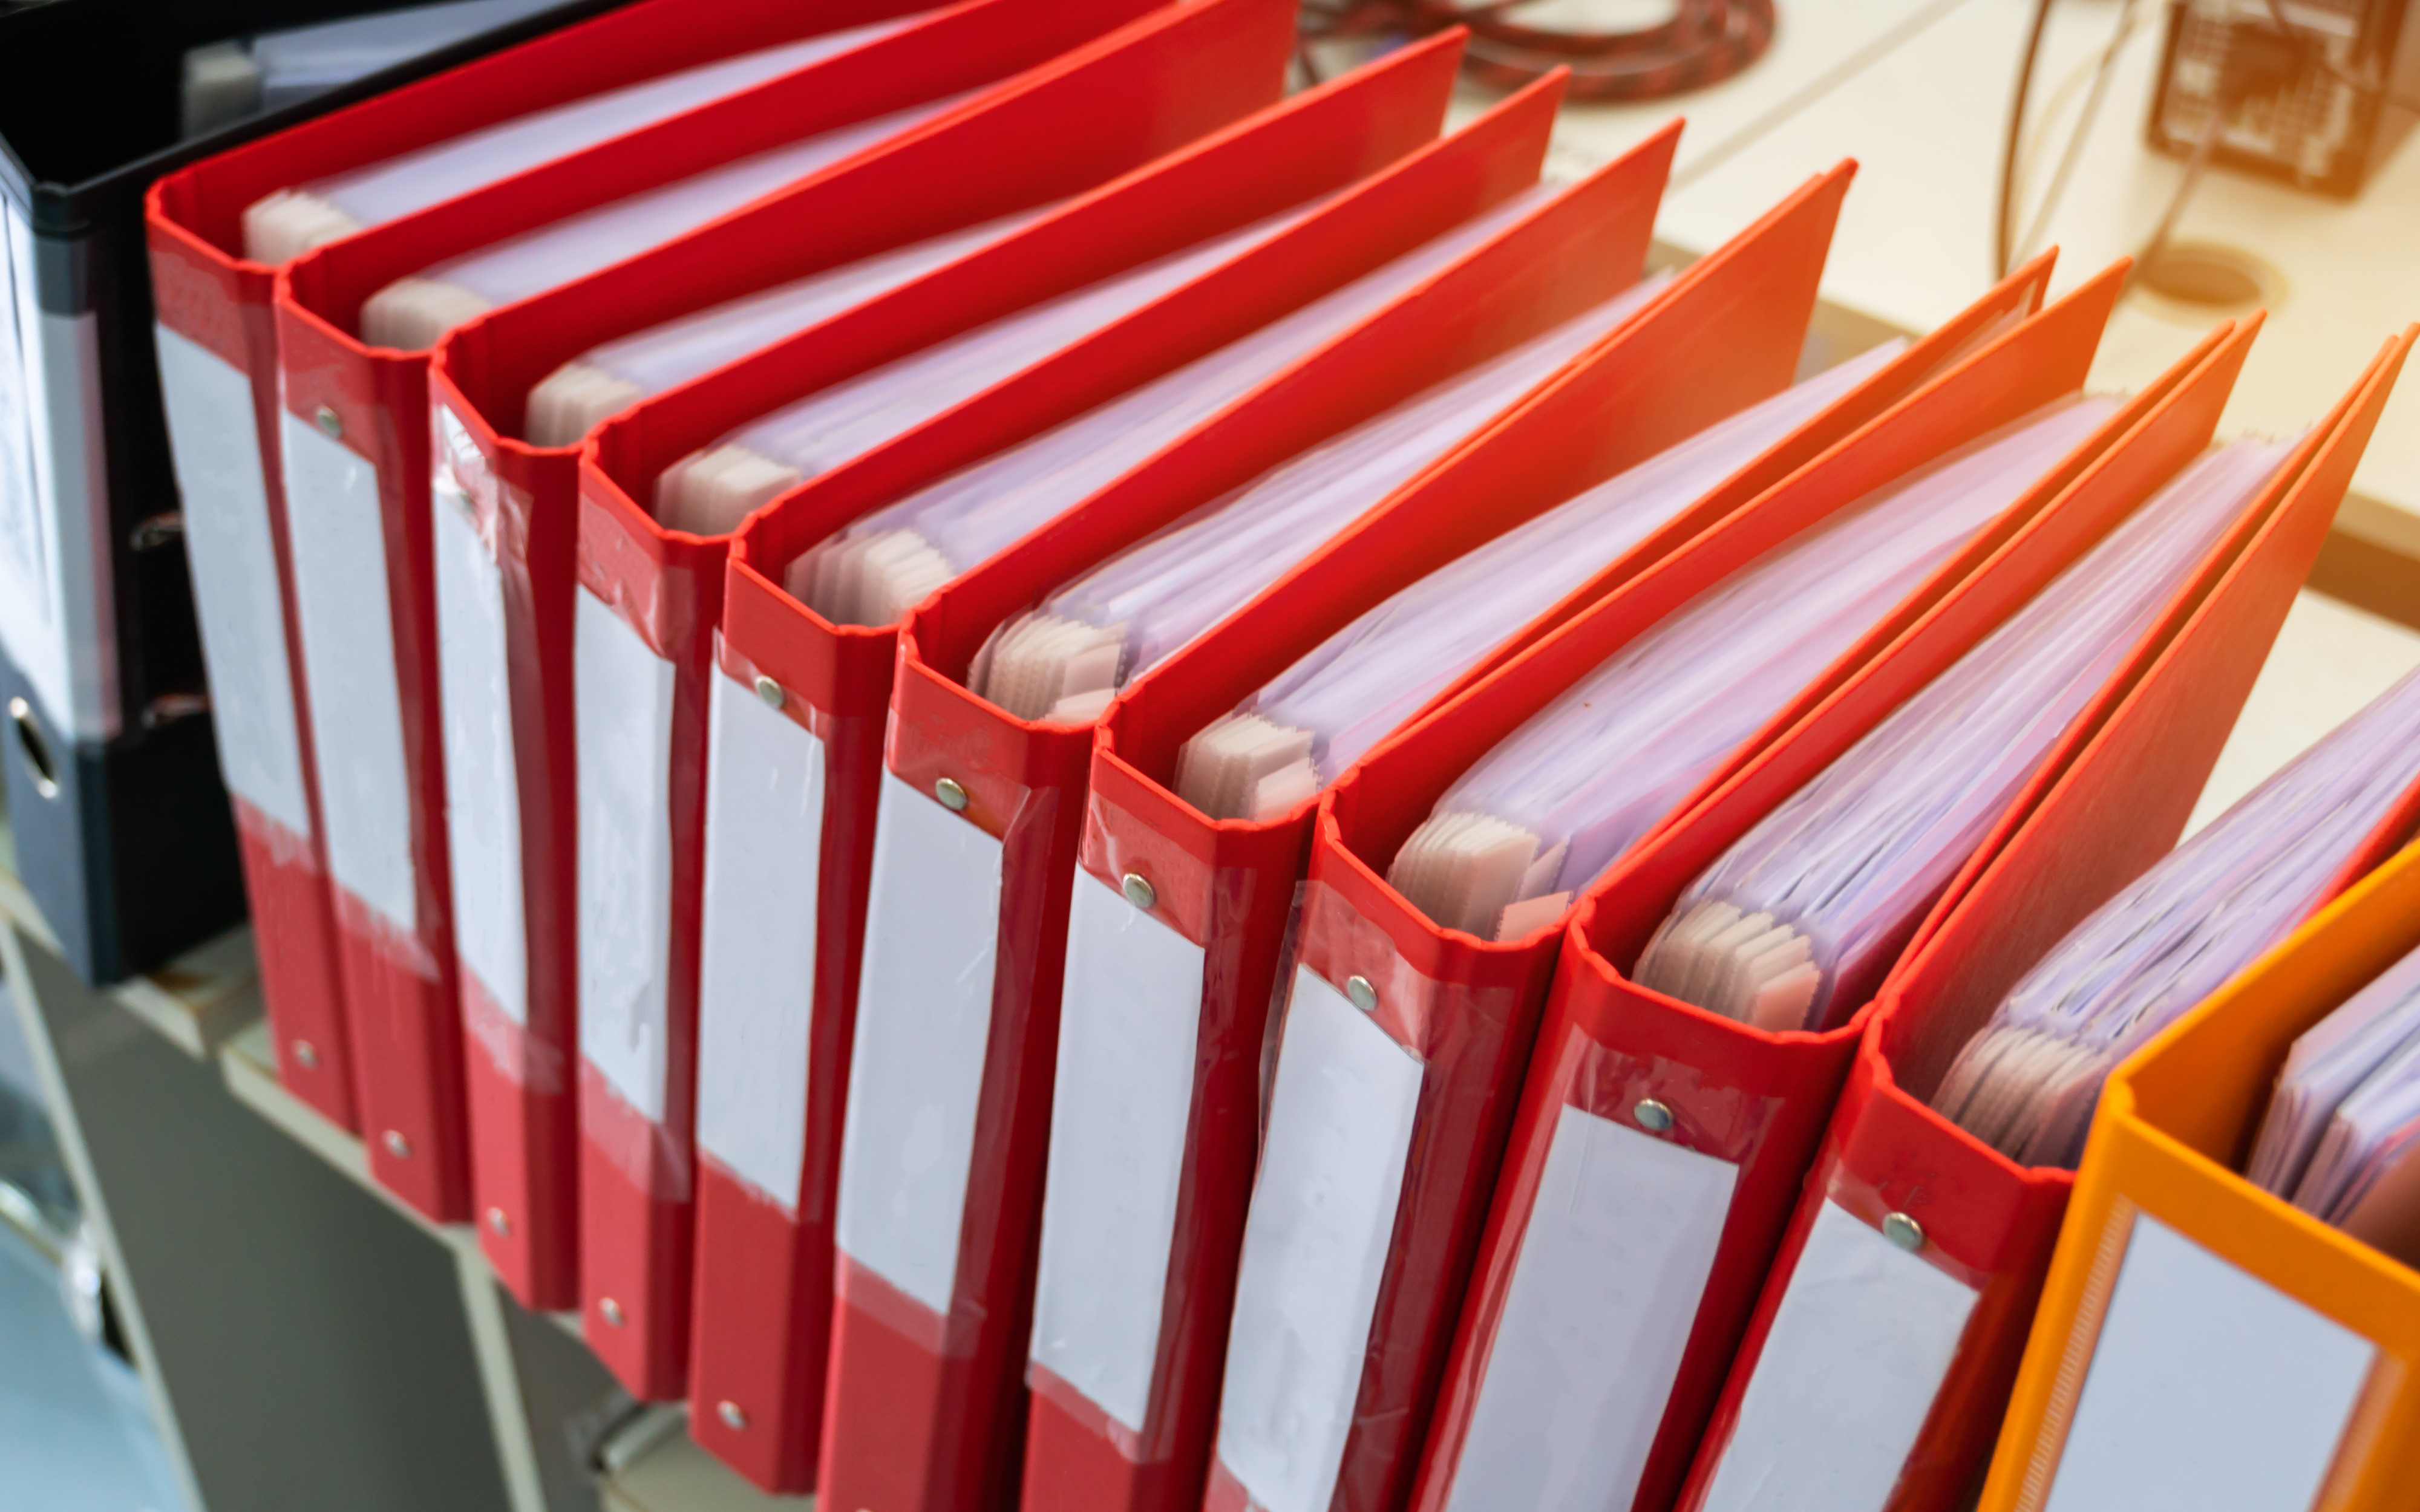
<point>1919,94</point>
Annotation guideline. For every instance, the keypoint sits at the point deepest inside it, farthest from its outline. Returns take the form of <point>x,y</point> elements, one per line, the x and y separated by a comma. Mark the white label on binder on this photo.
<point>756,975</point>
<point>2210,1389</point>
<point>1315,1245</point>
<point>1857,1352</point>
<point>923,1028</point>
<point>57,590</point>
<point>338,540</point>
<point>1129,1018</point>
<point>217,446</point>
<point>623,695</point>
<point>1603,1293</point>
<point>483,801</point>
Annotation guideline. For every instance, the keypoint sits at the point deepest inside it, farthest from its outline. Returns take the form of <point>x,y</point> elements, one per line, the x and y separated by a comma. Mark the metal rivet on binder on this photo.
<point>1138,889</point>
<point>37,748</point>
<point>770,691</point>
<point>1904,1231</point>
<point>1653,1115</point>
<point>609,1310</point>
<point>330,423</point>
<point>305,1054</point>
<point>953,796</point>
<point>396,1145</point>
<point>733,1418</point>
<point>497,1223</point>
<point>1364,996</point>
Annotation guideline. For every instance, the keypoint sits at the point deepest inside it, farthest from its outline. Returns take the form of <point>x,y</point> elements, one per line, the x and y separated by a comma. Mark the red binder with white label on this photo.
<point>1430,1028</point>
<point>1910,1232</point>
<point>1308,148</point>
<point>1149,87</point>
<point>218,371</point>
<point>1165,1005</point>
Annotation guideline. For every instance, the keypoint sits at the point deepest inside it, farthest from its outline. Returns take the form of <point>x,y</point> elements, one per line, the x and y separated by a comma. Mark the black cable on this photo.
<point>2193,165</point>
<point>2004,227</point>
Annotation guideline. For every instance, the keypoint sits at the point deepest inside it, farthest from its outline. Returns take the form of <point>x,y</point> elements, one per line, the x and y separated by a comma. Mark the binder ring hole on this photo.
<point>953,796</point>
<point>37,748</point>
<point>1361,994</point>
<point>1138,889</point>
<point>733,1418</point>
<point>330,423</point>
<point>1653,1115</point>
<point>1904,1231</point>
<point>307,1055</point>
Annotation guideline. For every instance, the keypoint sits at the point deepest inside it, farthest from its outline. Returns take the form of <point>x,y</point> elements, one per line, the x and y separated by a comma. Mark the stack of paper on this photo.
<point>1795,926</point>
<point>2028,1082</point>
<point>284,225</point>
<point>1315,718</point>
<point>411,313</point>
<point>1066,659</point>
<point>1559,800</point>
<point>885,563</point>
<point>2341,1132</point>
<point>605,380</point>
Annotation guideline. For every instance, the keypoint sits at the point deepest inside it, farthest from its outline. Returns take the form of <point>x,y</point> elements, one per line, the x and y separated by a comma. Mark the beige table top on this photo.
<point>1919,95</point>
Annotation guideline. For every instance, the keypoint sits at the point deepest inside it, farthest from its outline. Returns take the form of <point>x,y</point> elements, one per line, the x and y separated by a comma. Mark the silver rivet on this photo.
<point>953,796</point>
<point>1904,1231</point>
<point>1138,889</point>
<point>770,691</point>
<point>609,1310</point>
<point>305,1056</point>
<point>1653,1115</point>
<point>498,1223</point>
<point>330,423</point>
<point>733,1418</point>
<point>1363,995</point>
<point>396,1145</point>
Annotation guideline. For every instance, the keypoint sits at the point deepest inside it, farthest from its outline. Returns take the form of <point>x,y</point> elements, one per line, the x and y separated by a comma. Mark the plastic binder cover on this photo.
<point>1145,92</point>
<point>217,358</point>
<point>918,1317</point>
<point>122,832</point>
<point>1166,1003</point>
<point>1465,1007</point>
<point>355,448</point>
<point>526,1214</point>
<point>1311,145</point>
<point>1905,1218</point>
<point>2198,1337</point>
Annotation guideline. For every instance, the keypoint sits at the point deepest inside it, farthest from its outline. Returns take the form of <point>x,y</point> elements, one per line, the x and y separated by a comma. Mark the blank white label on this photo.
<point>923,1028</point>
<point>2210,1390</point>
<point>1315,1246</point>
<point>483,801</point>
<point>1604,1290</point>
<point>57,591</point>
<point>217,446</point>
<point>622,692</point>
<point>1857,1352</point>
<point>1129,1021</point>
<point>340,591</point>
<point>756,976</point>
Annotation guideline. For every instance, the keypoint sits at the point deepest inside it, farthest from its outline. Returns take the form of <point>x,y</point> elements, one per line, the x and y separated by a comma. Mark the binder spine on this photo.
<point>787,868</point>
<point>1682,1140</point>
<point>1878,1359</point>
<point>1344,1307</point>
<point>1176,942</point>
<point>642,637</point>
<point>974,867</point>
<point>505,525</point>
<point>355,449</point>
<point>216,329</point>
